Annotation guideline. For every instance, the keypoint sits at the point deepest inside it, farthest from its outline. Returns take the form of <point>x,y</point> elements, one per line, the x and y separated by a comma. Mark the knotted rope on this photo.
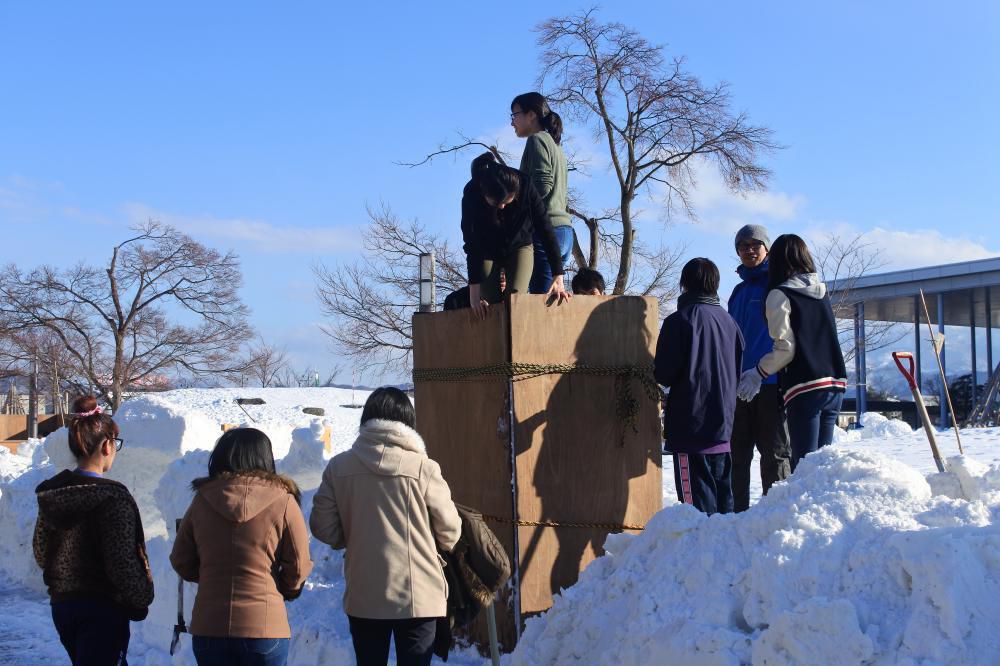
<point>626,404</point>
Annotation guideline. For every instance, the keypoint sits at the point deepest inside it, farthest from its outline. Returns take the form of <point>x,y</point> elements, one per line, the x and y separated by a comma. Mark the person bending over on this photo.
<point>501,210</point>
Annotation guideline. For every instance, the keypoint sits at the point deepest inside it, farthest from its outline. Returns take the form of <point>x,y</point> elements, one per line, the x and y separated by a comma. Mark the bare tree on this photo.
<point>845,260</point>
<point>657,119</point>
<point>371,301</point>
<point>262,364</point>
<point>163,302</point>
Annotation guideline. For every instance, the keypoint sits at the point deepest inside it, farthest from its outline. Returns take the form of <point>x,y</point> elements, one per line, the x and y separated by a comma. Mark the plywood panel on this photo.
<point>15,426</point>
<point>576,462</point>
<point>466,426</point>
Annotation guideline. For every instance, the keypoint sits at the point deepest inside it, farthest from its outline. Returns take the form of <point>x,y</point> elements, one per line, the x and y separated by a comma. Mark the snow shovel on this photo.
<point>180,627</point>
<point>918,399</point>
<point>248,401</point>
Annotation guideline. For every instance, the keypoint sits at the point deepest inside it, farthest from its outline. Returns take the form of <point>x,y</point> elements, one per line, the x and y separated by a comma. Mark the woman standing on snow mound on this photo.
<point>501,210</point>
<point>385,501</point>
<point>806,349</point>
<point>244,541</point>
<point>90,546</point>
<point>544,163</point>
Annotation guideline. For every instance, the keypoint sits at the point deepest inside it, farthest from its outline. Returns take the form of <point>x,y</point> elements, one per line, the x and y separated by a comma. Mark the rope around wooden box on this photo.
<point>626,405</point>
<point>614,527</point>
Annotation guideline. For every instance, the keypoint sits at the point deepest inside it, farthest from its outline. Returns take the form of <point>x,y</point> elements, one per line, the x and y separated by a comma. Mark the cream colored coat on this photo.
<point>385,501</point>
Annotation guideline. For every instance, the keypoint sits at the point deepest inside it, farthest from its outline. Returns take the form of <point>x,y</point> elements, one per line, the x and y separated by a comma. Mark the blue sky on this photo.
<point>267,129</point>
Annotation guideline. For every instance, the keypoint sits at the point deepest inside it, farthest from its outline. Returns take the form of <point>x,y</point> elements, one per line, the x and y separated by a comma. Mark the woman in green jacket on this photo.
<point>544,163</point>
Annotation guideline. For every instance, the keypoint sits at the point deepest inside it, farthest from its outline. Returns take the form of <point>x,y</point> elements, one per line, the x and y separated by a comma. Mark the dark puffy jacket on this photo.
<point>698,357</point>
<point>746,305</point>
<point>89,542</point>
<point>475,569</point>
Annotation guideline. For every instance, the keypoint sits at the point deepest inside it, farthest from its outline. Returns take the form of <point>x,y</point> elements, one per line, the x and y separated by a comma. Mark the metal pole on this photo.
<point>972,336</point>
<point>916,339</point>
<point>33,401</point>
<point>860,370</point>
<point>491,621</point>
<point>942,391</point>
<point>989,333</point>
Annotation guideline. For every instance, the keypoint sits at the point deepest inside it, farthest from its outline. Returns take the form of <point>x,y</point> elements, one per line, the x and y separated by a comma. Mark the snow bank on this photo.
<point>857,558</point>
<point>853,560</point>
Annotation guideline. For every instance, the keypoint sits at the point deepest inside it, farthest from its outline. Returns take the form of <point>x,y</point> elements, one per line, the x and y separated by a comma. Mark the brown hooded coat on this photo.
<point>244,541</point>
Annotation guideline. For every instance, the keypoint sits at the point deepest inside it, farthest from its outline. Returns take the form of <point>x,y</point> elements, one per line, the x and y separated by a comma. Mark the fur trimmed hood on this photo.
<point>380,445</point>
<point>239,496</point>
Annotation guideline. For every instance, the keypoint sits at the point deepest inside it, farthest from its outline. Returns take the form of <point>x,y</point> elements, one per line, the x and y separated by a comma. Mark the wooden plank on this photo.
<point>15,426</point>
<point>572,464</point>
<point>466,426</point>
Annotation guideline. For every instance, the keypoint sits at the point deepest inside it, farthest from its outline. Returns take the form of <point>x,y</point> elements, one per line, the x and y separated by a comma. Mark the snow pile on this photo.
<point>858,557</point>
<point>853,560</point>
<point>880,427</point>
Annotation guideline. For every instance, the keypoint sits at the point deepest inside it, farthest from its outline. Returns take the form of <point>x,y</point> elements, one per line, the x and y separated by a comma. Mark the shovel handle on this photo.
<point>908,372</point>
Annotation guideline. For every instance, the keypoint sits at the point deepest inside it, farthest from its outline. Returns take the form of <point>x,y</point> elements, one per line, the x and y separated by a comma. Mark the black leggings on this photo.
<point>414,640</point>
<point>94,633</point>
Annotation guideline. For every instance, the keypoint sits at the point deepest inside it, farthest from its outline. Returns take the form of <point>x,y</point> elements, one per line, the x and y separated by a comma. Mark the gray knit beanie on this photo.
<point>754,232</point>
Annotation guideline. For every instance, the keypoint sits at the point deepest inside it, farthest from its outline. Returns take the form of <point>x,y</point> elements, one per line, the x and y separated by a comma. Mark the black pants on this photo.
<point>94,633</point>
<point>759,423</point>
<point>703,480</point>
<point>414,640</point>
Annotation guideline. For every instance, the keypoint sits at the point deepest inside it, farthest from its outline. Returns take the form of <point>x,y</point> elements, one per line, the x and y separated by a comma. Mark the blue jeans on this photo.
<point>541,275</point>
<point>94,633</point>
<point>216,651</point>
<point>811,418</point>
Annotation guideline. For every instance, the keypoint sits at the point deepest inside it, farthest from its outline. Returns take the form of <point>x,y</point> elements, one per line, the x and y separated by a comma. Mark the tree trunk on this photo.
<point>625,266</point>
<point>116,379</point>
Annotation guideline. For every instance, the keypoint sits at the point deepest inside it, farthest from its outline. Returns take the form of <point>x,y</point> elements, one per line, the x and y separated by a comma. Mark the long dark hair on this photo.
<point>495,181</point>
<point>241,450</point>
<point>789,256</point>
<point>89,427</point>
<point>389,404</point>
<point>547,118</point>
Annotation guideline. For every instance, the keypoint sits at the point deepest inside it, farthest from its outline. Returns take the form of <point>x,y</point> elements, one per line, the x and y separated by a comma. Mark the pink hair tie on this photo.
<point>83,415</point>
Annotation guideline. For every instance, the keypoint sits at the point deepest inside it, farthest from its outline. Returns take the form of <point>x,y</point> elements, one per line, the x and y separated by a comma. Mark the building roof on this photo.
<point>894,296</point>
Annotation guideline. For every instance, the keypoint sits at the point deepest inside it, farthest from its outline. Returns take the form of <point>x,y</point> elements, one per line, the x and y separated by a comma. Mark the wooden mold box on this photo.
<point>549,448</point>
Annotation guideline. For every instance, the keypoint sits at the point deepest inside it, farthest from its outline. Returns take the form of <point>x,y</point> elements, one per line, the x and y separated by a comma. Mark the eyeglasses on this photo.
<point>515,114</point>
<point>119,443</point>
<point>747,247</point>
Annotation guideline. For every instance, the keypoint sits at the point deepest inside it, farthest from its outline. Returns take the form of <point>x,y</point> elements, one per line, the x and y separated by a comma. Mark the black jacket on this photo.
<point>494,234</point>
<point>89,542</point>
<point>698,356</point>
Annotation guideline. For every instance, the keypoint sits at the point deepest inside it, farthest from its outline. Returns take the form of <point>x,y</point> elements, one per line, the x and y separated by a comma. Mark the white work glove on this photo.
<point>749,385</point>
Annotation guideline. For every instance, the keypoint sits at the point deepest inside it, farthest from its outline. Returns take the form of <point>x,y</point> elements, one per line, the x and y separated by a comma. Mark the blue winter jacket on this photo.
<point>746,305</point>
<point>698,357</point>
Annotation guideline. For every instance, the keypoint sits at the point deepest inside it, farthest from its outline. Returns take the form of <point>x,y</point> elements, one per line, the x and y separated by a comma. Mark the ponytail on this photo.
<point>552,124</point>
<point>547,118</point>
<point>481,165</point>
<point>495,181</point>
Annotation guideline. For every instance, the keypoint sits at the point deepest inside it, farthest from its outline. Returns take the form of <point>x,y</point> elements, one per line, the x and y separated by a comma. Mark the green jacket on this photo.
<point>544,163</point>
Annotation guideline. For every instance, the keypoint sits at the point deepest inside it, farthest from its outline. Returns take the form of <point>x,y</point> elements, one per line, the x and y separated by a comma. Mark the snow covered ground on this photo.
<point>865,556</point>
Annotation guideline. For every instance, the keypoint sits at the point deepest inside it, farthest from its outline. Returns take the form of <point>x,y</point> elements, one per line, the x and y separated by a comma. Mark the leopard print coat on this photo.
<point>89,542</point>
